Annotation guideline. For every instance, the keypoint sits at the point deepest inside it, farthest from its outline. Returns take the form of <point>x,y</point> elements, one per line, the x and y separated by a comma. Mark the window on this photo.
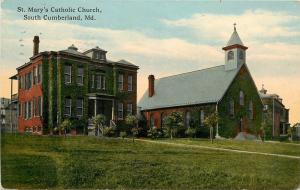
<point>24,112</point>
<point>20,110</point>
<point>34,107</point>
<point>231,108</point>
<point>120,110</point>
<point>80,107</point>
<point>162,117</point>
<point>241,54</point>
<point>187,119</point>
<point>35,75</point>
<point>103,82</point>
<point>40,71</point>
<point>130,83</point>
<point>98,81</point>
<point>28,80</point>
<point>68,106</point>
<point>250,110</point>
<point>97,55</point>
<point>152,120</point>
<point>40,106</point>
<point>21,82</point>
<point>29,109</point>
<point>202,117</point>
<point>68,74</point>
<point>80,73</point>
<point>120,82</point>
<point>93,81</point>
<point>129,109</point>
<point>102,56</point>
<point>242,98</point>
<point>230,55</point>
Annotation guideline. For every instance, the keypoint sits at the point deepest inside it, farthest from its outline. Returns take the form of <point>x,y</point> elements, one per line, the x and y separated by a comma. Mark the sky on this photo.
<point>166,38</point>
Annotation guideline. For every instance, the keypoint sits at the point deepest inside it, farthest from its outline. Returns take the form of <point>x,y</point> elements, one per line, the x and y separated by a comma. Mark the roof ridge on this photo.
<point>190,72</point>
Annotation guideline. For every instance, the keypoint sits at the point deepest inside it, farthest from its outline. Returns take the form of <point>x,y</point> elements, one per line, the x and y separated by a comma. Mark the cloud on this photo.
<point>167,56</point>
<point>253,24</point>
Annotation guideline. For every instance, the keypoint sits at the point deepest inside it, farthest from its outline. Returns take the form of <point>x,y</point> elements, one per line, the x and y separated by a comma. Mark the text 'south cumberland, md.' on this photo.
<point>59,13</point>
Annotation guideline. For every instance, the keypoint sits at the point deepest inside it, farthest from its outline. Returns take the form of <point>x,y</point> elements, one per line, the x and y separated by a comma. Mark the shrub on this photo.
<point>190,132</point>
<point>123,134</point>
<point>154,133</point>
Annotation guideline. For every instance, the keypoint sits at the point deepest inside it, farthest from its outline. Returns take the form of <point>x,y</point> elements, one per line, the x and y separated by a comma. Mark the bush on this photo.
<point>109,131</point>
<point>190,132</point>
<point>154,133</point>
<point>123,134</point>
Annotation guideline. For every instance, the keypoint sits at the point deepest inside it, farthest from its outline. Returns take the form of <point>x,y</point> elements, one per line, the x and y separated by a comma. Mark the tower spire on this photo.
<point>234,24</point>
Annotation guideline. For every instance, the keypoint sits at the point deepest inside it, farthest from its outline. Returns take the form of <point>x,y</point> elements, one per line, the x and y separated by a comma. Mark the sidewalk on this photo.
<point>219,149</point>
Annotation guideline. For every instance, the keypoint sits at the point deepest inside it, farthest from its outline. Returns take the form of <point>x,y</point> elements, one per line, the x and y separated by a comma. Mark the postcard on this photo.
<point>150,94</point>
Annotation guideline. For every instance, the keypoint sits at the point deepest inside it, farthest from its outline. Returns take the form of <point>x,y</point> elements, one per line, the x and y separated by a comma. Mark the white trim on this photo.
<point>68,74</point>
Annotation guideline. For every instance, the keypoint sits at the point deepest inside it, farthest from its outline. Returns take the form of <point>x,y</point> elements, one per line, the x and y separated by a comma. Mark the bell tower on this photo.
<point>235,51</point>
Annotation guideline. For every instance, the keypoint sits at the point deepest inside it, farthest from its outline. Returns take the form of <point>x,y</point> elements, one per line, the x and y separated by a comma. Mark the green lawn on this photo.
<point>253,146</point>
<point>85,162</point>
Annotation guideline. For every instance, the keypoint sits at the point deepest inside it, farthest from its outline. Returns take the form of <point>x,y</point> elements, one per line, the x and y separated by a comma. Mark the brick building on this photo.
<point>228,89</point>
<point>276,115</point>
<point>55,85</point>
<point>8,115</point>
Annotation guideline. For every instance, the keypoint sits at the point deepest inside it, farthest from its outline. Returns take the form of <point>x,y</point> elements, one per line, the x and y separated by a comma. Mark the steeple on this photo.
<point>235,38</point>
<point>235,51</point>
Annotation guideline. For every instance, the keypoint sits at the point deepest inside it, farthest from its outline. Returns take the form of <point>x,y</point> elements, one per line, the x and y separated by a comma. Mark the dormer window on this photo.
<point>97,55</point>
<point>230,55</point>
<point>100,55</point>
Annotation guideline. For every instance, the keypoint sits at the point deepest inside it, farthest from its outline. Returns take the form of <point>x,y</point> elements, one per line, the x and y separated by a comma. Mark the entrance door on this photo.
<point>241,125</point>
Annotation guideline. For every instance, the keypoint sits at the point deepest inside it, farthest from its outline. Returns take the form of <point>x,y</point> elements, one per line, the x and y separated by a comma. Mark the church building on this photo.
<point>228,89</point>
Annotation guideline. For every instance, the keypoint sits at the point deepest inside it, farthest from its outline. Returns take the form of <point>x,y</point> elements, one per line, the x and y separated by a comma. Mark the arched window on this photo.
<point>241,54</point>
<point>250,110</point>
<point>230,55</point>
<point>162,117</point>
<point>231,107</point>
<point>202,117</point>
<point>187,119</point>
<point>242,97</point>
<point>152,120</point>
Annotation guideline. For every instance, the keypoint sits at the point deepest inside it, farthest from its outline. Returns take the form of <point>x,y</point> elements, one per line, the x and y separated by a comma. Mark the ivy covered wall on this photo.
<point>229,125</point>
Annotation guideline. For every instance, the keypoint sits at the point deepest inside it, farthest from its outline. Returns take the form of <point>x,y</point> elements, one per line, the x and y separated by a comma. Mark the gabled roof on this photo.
<point>234,39</point>
<point>197,87</point>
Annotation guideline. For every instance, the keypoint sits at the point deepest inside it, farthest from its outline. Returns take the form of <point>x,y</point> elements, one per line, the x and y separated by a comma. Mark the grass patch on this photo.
<point>254,146</point>
<point>85,162</point>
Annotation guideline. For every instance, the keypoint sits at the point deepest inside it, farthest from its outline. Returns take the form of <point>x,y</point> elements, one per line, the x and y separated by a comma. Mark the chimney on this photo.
<point>36,42</point>
<point>151,80</point>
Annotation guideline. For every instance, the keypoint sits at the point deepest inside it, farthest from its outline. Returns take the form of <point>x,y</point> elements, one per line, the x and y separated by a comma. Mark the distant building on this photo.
<point>8,110</point>
<point>297,130</point>
<point>228,89</point>
<point>276,114</point>
<point>55,85</point>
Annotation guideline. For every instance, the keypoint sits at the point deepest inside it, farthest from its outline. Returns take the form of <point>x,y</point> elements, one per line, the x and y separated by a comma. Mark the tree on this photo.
<point>263,130</point>
<point>211,121</point>
<point>132,121</point>
<point>99,123</point>
<point>290,132</point>
<point>65,125</point>
<point>172,122</point>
